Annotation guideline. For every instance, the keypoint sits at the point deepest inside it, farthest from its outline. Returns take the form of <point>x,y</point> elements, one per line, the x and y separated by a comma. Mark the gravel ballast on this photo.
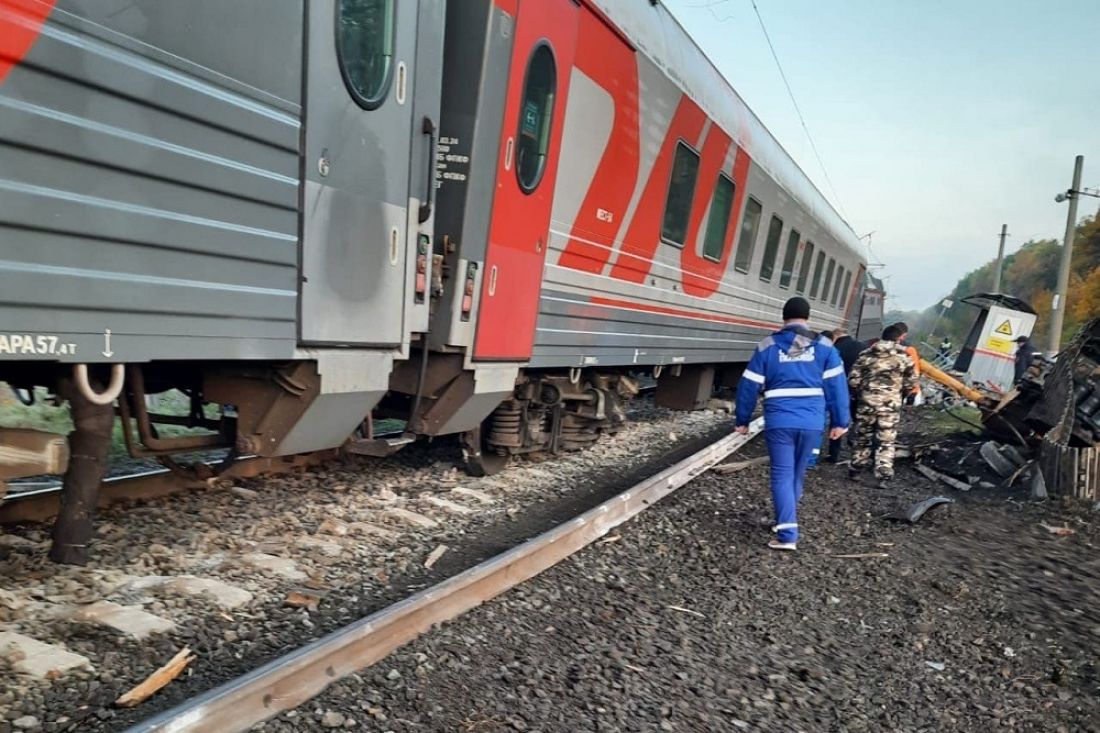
<point>976,618</point>
<point>224,565</point>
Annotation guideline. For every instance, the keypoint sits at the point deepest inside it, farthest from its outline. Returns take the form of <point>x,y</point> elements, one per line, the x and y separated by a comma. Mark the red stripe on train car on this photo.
<point>644,234</point>
<point>667,311</point>
<point>20,25</point>
<point>605,59</point>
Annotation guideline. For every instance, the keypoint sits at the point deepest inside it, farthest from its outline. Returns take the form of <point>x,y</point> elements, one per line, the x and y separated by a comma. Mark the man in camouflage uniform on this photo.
<point>879,381</point>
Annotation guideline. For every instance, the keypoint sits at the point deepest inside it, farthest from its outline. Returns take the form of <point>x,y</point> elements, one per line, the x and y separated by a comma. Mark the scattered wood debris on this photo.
<point>681,609</point>
<point>739,465</point>
<point>1062,531</point>
<point>243,493</point>
<point>154,682</point>
<point>434,557</point>
<point>303,598</point>
<point>862,555</point>
<point>937,476</point>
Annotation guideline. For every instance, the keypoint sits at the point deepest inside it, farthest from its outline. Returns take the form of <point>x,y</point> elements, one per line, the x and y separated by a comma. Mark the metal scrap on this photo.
<point>918,510</point>
<point>1000,464</point>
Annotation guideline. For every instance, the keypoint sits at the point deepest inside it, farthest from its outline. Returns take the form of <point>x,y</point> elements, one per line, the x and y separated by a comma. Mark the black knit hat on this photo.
<point>796,308</point>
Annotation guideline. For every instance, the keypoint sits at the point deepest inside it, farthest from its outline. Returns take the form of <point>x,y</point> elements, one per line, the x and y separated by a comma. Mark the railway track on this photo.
<point>291,680</point>
<point>40,504</point>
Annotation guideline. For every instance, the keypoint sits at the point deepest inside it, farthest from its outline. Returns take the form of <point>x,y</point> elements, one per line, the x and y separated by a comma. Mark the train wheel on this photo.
<point>479,461</point>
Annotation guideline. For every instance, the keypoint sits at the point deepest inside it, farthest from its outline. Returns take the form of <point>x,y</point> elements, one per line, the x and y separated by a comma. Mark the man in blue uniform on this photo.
<point>801,375</point>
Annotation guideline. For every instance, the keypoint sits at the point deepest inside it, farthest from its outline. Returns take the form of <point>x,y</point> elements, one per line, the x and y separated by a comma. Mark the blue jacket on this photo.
<point>801,375</point>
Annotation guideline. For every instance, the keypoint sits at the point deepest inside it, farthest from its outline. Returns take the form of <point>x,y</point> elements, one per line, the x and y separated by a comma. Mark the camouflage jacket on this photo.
<point>882,375</point>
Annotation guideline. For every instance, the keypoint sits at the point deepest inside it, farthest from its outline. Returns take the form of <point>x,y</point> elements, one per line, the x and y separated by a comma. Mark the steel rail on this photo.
<point>287,682</point>
<point>39,505</point>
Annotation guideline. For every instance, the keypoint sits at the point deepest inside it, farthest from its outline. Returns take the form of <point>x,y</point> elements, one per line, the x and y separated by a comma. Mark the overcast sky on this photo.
<point>937,120</point>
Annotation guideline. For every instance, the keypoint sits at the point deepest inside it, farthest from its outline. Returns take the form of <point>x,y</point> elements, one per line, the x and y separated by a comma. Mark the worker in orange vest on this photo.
<point>910,351</point>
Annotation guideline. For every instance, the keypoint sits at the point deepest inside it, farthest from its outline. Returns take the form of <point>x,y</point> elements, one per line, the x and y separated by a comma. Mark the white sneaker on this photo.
<point>777,545</point>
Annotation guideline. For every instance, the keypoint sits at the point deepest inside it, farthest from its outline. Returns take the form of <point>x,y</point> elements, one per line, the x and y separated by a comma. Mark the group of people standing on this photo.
<point>806,378</point>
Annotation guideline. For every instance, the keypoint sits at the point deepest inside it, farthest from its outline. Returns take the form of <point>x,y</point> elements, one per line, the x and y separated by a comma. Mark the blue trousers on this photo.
<point>790,451</point>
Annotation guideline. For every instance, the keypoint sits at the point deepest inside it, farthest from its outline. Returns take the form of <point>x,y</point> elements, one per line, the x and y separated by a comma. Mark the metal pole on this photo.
<point>1000,260</point>
<point>1058,307</point>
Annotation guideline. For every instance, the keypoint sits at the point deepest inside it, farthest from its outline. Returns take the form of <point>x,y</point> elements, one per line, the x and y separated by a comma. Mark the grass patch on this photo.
<point>939,422</point>
<point>44,415</point>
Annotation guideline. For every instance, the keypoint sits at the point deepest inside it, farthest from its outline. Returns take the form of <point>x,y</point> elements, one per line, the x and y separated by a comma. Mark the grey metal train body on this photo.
<point>482,217</point>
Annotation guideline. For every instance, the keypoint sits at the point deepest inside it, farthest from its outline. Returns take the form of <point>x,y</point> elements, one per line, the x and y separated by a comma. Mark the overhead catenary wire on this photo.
<point>798,110</point>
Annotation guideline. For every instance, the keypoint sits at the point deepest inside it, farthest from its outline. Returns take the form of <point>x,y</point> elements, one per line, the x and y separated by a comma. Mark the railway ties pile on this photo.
<point>220,570</point>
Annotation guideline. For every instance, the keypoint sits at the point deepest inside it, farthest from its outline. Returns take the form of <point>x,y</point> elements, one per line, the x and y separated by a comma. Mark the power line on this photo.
<point>801,119</point>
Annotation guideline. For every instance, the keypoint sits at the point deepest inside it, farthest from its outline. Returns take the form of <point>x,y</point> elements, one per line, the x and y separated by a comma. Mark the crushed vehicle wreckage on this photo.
<point>1047,428</point>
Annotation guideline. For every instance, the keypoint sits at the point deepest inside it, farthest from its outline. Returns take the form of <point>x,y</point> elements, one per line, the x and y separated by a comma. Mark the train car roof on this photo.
<point>668,45</point>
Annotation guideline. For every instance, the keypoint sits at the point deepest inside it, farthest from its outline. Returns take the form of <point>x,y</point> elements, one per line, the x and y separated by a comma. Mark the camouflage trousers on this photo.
<point>876,434</point>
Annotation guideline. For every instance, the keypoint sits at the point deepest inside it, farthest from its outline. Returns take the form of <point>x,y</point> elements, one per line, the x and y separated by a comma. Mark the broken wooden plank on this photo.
<point>740,465</point>
<point>154,682</point>
<point>308,599</point>
<point>1062,531</point>
<point>937,476</point>
<point>434,557</point>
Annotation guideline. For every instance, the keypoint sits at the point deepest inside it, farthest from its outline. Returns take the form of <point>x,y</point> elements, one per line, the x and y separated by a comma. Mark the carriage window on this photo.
<point>535,115</point>
<point>836,288</point>
<point>804,269</point>
<point>828,280</point>
<point>771,249</point>
<point>749,225</point>
<point>819,268</point>
<point>719,220</point>
<point>681,189</point>
<point>845,290</point>
<point>364,34</point>
<point>787,272</point>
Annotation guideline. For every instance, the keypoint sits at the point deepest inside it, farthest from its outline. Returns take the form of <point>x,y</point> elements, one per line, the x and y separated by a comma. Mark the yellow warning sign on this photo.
<point>1005,329</point>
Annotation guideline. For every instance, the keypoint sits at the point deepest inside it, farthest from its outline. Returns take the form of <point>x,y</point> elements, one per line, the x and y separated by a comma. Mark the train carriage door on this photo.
<point>527,166</point>
<point>360,133</point>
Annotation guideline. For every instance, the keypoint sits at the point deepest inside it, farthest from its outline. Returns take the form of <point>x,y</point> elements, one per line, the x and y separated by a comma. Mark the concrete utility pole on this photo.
<point>1000,260</point>
<point>1058,307</point>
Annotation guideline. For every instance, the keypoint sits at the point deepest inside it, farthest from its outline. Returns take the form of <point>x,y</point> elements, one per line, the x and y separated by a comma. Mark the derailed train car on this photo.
<point>482,217</point>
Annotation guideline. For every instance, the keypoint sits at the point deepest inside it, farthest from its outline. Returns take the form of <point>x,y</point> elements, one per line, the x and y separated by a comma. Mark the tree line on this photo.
<point>1031,274</point>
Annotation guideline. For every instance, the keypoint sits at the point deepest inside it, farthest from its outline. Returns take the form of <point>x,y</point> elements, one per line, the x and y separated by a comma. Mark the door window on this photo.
<point>536,111</point>
<point>364,32</point>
